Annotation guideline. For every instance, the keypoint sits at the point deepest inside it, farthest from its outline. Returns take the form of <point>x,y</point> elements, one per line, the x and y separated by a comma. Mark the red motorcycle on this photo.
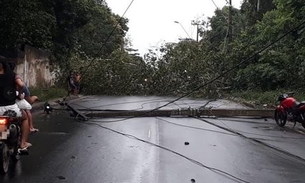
<point>289,109</point>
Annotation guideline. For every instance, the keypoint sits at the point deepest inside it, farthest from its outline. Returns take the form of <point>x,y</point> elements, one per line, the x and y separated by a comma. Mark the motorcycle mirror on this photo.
<point>290,94</point>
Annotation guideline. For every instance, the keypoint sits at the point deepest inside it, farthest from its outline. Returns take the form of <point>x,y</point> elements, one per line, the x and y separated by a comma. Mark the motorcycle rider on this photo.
<point>8,100</point>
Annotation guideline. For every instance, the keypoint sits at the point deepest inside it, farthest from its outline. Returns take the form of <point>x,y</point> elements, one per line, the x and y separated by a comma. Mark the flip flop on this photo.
<point>23,151</point>
<point>28,145</point>
<point>34,130</point>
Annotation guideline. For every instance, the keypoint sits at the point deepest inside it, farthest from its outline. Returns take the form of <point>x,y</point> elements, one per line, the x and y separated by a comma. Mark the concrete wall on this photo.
<point>33,65</point>
<point>36,68</point>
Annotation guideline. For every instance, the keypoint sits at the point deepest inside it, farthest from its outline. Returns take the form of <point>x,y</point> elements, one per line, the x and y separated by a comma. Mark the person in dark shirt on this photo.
<point>71,83</point>
<point>8,100</point>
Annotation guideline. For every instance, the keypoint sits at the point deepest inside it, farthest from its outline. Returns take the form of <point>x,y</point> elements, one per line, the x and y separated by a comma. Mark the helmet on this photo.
<point>282,97</point>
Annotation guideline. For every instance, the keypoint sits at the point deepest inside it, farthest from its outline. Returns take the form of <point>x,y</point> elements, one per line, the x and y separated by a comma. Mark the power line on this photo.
<point>215,4</point>
<point>233,67</point>
<point>108,38</point>
<point>255,140</point>
<point>103,44</point>
<point>220,75</point>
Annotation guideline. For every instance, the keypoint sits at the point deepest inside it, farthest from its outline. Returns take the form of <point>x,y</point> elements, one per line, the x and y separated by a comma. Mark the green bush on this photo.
<point>259,98</point>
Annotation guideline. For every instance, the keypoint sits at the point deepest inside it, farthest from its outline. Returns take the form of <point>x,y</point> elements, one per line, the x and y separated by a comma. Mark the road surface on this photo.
<point>159,149</point>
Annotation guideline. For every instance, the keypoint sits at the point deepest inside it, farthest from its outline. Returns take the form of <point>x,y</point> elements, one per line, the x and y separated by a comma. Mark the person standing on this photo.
<point>71,83</point>
<point>77,83</point>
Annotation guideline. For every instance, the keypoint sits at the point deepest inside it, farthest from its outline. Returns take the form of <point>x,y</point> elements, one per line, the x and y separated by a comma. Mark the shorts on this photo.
<point>13,107</point>
<point>26,91</point>
<point>77,85</point>
<point>23,104</point>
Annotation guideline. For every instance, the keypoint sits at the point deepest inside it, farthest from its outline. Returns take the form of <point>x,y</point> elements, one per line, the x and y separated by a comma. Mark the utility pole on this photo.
<point>230,32</point>
<point>197,29</point>
<point>229,36</point>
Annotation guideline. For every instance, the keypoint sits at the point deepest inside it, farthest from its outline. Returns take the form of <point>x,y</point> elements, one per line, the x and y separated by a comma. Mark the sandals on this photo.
<point>27,145</point>
<point>24,150</point>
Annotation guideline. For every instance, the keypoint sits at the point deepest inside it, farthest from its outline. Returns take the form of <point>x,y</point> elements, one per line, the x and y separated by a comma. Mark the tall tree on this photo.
<point>281,65</point>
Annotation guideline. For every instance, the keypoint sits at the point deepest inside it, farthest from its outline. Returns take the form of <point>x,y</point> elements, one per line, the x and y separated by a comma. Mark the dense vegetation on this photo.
<point>86,34</point>
<point>189,64</point>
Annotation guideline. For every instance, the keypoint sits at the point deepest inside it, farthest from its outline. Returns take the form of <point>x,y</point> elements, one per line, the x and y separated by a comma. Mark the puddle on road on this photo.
<point>53,133</point>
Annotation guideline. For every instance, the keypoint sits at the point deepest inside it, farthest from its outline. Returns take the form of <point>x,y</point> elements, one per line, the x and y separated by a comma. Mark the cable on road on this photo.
<point>263,135</point>
<point>181,125</point>
<point>232,134</point>
<point>255,140</point>
<point>197,128</point>
<point>215,170</point>
<point>238,132</point>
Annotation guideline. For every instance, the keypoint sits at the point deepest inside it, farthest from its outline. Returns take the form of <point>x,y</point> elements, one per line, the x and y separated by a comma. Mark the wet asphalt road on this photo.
<point>152,150</point>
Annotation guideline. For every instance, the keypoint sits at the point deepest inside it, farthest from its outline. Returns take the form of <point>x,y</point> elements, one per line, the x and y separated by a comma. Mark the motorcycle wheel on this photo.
<point>280,118</point>
<point>302,116</point>
<point>4,159</point>
<point>15,156</point>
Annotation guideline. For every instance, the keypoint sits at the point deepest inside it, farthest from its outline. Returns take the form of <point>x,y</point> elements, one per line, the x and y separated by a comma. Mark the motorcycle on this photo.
<point>10,135</point>
<point>289,109</point>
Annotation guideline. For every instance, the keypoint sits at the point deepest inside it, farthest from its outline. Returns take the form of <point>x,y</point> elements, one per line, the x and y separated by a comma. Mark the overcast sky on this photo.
<point>151,22</point>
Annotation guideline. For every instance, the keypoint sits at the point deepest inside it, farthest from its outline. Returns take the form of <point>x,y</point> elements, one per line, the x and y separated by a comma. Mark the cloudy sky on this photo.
<point>151,22</point>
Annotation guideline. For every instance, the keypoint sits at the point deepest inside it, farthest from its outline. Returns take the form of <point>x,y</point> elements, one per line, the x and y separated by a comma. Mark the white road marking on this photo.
<point>149,133</point>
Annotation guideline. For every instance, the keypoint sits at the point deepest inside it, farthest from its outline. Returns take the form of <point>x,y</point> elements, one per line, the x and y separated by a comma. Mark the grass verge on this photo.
<point>257,99</point>
<point>46,94</point>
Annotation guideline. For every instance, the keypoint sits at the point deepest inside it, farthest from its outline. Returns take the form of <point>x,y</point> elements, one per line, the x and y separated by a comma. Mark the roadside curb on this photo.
<point>39,106</point>
<point>58,102</point>
<point>251,104</point>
